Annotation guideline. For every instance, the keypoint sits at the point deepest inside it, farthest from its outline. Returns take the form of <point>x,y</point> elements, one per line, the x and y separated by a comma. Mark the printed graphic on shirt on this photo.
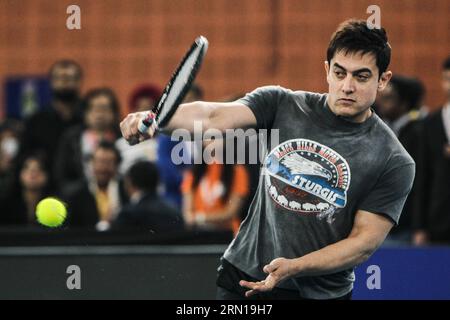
<point>307,177</point>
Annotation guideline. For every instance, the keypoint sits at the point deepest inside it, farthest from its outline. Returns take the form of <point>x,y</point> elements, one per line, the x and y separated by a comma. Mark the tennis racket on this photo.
<point>176,89</point>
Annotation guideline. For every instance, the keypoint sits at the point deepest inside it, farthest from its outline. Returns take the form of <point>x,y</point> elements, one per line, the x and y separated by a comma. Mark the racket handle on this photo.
<point>146,123</point>
<point>143,127</point>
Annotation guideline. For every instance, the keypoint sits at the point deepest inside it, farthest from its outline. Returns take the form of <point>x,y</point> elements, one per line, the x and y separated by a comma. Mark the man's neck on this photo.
<point>359,118</point>
<point>364,116</point>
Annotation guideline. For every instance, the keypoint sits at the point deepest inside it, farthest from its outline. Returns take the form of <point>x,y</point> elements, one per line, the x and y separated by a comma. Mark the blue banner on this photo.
<point>24,96</point>
<point>405,273</point>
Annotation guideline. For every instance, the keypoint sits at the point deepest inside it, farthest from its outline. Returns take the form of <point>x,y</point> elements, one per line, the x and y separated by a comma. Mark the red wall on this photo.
<point>252,42</point>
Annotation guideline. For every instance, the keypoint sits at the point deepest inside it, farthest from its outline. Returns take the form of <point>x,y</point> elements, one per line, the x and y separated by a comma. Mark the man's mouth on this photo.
<point>346,101</point>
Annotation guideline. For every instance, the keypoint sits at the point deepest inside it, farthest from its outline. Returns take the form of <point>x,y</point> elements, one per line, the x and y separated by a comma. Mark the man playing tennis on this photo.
<point>329,193</point>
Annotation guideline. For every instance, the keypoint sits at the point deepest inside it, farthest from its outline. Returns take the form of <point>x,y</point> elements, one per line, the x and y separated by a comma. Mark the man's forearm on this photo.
<point>339,256</point>
<point>211,115</point>
<point>187,115</point>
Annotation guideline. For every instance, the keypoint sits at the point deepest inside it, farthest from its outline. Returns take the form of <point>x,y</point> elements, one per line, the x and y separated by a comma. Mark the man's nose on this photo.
<point>348,85</point>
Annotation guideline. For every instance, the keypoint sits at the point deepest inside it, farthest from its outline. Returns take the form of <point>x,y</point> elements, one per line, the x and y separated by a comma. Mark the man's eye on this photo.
<point>339,74</point>
<point>363,78</point>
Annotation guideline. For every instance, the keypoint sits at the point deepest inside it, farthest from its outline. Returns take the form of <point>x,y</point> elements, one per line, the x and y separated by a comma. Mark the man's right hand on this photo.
<point>129,127</point>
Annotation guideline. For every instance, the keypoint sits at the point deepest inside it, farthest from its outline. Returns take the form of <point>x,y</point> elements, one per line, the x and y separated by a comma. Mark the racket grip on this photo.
<point>143,127</point>
<point>146,123</point>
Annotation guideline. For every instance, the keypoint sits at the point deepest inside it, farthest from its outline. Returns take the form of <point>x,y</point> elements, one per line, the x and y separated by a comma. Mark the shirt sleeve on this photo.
<point>390,192</point>
<point>264,103</point>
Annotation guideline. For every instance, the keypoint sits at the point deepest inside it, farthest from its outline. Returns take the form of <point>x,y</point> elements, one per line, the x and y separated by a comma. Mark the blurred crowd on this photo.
<point>73,149</point>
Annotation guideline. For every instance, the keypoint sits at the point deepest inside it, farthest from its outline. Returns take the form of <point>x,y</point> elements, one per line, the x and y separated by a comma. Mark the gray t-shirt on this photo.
<point>325,169</point>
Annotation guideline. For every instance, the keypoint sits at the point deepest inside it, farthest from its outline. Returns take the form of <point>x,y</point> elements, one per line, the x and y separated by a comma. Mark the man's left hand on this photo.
<point>278,270</point>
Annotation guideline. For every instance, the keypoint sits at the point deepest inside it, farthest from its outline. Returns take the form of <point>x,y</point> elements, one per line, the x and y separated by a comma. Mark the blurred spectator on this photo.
<point>213,194</point>
<point>172,174</point>
<point>143,98</point>
<point>10,132</point>
<point>97,201</point>
<point>43,129</point>
<point>400,102</point>
<point>147,210</point>
<point>101,123</point>
<point>31,185</point>
<point>432,217</point>
<point>399,105</point>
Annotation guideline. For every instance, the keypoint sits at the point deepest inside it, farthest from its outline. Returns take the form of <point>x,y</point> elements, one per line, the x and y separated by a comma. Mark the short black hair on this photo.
<point>41,157</point>
<point>354,36</point>
<point>106,145</point>
<point>446,64</point>
<point>66,63</point>
<point>410,90</point>
<point>144,176</point>
<point>37,155</point>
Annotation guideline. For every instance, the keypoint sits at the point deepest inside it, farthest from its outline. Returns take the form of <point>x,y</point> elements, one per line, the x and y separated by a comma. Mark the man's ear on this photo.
<point>384,80</point>
<point>327,70</point>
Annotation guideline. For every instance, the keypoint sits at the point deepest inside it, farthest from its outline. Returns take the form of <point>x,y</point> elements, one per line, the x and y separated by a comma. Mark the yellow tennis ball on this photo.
<point>51,212</point>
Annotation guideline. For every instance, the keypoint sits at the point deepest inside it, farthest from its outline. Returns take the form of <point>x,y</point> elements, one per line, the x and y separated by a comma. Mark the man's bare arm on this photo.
<point>213,115</point>
<point>368,233</point>
<point>217,115</point>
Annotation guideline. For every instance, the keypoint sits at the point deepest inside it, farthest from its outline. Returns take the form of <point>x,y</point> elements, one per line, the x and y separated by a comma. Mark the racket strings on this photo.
<point>179,84</point>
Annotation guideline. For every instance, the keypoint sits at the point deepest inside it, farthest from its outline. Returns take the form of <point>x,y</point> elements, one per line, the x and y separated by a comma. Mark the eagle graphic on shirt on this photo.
<point>307,177</point>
